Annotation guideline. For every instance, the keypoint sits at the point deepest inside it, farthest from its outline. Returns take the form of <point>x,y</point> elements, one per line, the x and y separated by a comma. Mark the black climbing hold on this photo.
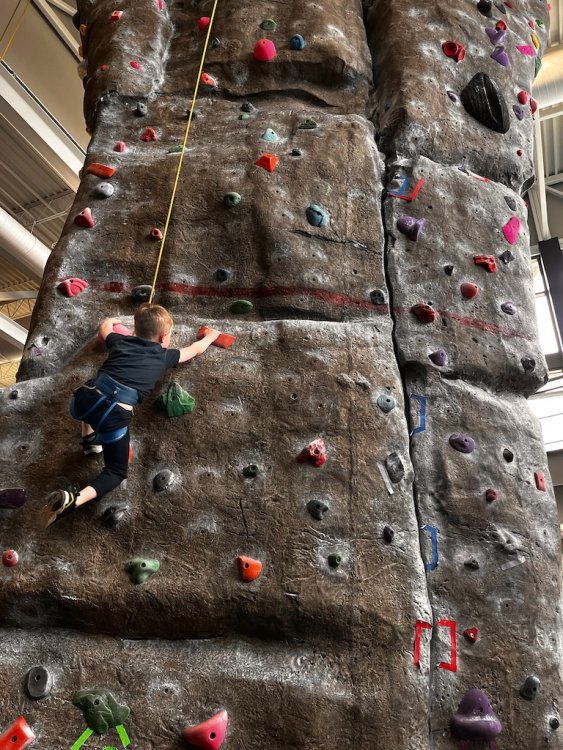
<point>394,467</point>
<point>231,199</point>
<point>251,471</point>
<point>449,269</point>
<point>141,110</point>
<point>38,682</point>
<point>485,7</point>
<point>388,534</point>
<point>506,257</point>
<point>554,722</point>
<point>215,42</point>
<point>76,20</point>
<point>297,42</point>
<point>377,297</point>
<point>248,107</point>
<point>528,364</point>
<point>473,564</point>
<point>141,293</point>
<point>484,101</point>
<point>317,509</point>
<point>508,455</point>
<point>113,515</point>
<point>14,394</point>
<point>335,561</point>
<point>530,688</point>
<point>222,274</point>
<point>295,152</point>
<point>163,480</point>
<point>510,202</point>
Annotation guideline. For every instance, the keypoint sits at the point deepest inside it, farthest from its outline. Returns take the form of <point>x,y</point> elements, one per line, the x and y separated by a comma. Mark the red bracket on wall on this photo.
<point>420,626</point>
<point>451,666</point>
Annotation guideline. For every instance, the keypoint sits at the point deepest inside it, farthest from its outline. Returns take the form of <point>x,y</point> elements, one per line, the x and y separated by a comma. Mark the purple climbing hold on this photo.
<point>475,718</point>
<point>12,498</point>
<point>411,227</point>
<point>439,357</point>
<point>500,55</point>
<point>508,307</point>
<point>496,36</point>
<point>462,442</point>
<point>453,96</point>
<point>519,112</point>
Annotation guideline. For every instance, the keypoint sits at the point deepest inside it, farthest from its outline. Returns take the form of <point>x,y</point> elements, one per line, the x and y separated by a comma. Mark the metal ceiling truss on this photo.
<point>45,7</point>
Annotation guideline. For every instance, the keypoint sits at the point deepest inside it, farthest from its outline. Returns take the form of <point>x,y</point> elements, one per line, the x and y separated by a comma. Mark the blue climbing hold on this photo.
<point>297,42</point>
<point>316,215</point>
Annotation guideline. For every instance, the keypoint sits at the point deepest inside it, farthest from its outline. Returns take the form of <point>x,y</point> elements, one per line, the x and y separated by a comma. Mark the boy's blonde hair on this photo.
<point>152,321</point>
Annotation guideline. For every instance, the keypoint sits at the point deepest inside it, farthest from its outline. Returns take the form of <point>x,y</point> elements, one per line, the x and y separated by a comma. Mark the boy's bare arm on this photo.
<point>197,348</point>
<point>106,327</point>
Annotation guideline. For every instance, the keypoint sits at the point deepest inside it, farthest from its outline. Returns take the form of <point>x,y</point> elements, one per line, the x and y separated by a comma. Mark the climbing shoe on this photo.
<point>59,504</point>
<point>90,444</point>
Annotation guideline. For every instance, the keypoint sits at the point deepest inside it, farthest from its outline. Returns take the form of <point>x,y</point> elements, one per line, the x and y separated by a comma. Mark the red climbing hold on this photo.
<point>533,106</point>
<point>487,261</point>
<point>469,290</point>
<point>135,65</point>
<point>523,97</point>
<point>103,68</point>
<point>265,50</point>
<point>208,81</point>
<point>120,147</point>
<point>540,480</point>
<point>491,496</point>
<point>501,26</point>
<point>18,736</point>
<point>425,313</point>
<point>314,453</point>
<point>155,234</point>
<point>208,735</point>
<point>471,634</point>
<point>268,161</point>
<point>85,219</point>
<point>453,50</point>
<point>72,287</point>
<point>10,558</point>
<point>532,24</point>
<point>115,16</point>
<point>149,135</point>
<point>203,23</point>
<point>223,341</point>
<point>249,568</point>
<point>519,152</point>
<point>100,170</point>
<point>511,230</point>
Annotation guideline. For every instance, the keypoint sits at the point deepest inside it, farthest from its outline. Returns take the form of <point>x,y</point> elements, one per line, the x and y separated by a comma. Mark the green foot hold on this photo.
<point>101,711</point>
<point>308,124</point>
<point>140,569</point>
<point>176,149</point>
<point>241,307</point>
<point>175,401</point>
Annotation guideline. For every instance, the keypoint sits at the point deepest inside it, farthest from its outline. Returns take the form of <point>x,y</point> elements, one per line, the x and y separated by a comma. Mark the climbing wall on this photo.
<point>355,525</point>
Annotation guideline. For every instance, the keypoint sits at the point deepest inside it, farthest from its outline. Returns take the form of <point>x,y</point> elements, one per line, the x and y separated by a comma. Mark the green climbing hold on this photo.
<point>244,116</point>
<point>101,711</point>
<point>175,401</point>
<point>251,471</point>
<point>241,307</point>
<point>335,561</point>
<point>140,569</point>
<point>231,199</point>
<point>177,149</point>
<point>268,24</point>
<point>538,65</point>
<point>308,124</point>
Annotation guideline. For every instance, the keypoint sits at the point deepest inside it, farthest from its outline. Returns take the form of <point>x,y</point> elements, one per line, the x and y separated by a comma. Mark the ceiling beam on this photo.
<point>554,179</point>
<point>65,7</point>
<point>553,191</point>
<point>15,296</point>
<point>51,16</point>
<point>538,190</point>
<point>12,333</point>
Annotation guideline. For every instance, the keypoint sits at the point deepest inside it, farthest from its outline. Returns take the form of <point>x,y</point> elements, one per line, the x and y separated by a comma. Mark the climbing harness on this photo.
<point>111,392</point>
<point>15,31</point>
<point>183,151</point>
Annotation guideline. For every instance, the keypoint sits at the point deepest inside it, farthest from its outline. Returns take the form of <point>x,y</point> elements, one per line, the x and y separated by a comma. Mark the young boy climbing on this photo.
<point>104,405</point>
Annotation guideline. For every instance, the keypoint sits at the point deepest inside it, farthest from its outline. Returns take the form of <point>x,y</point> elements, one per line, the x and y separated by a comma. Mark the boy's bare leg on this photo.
<point>86,429</point>
<point>85,495</point>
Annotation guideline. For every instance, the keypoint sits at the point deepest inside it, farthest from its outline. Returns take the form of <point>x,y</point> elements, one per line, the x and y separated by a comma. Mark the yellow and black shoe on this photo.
<point>59,504</point>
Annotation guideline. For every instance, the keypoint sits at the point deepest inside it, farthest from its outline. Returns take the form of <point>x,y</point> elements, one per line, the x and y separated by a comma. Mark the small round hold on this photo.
<point>448,269</point>
<point>222,274</point>
<point>104,190</point>
<point>377,296</point>
<point>203,23</point>
<point>251,471</point>
<point>215,42</point>
<point>297,42</point>
<point>462,442</point>
<point>163,480</point>
<point>485,7</point>
<point>14,395</point>
<point>232,199</point>
<point>491,496</point>
<point>508,307</point>
<point>453,50</point>
<point>453,96</point>
<point>317,509</point>
<point>386,403</point>
<point>295,152</point>
<point>388,534</point>
<point>469,290</point>
<point>508,455</point>
<point>141,293</point>
<point>10,558</point>
<point>316,215</point>
<point>38,682</point>
<point>425,313</point>
<point>268,24</point>
<point>472,564</point>
<point>554,722</point>
<point>528,364</point>
<point>241,307</point>
<point>439,358</point>
<point>335,561</point>
<point>270,135</point>
<point>248,107</point>
<point>506,257</point>
<point>155,234</point>
<point>113,515</point>
<point>530,688</point>
<point>141,110</point>
<point>308,124</point>
<point>394,467</point>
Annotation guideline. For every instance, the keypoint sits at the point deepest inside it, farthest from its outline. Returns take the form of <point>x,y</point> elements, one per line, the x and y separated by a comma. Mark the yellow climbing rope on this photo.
<point>186,135</point>
<point>15,31</point>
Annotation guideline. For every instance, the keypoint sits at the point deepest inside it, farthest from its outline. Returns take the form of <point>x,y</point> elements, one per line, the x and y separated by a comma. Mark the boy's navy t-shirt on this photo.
<point>137,363</point>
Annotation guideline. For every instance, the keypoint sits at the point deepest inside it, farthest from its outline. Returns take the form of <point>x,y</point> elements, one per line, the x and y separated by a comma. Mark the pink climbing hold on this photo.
<point>115,16</point>
<point>203,23</point>
<point>469,290</point>
<point>511,230</point>
<point>208,81</point>
<point>120,147</point>
<point>10,558</point>
<point>314,453</point>
<point>155,234</point>
<point>265,50</point>
<point>135,65</point>
<point>149,135</point>
<point>208,735</point>
<point>533,105</point>
<point>72,287</point>
<point>523,97</point>
<point>526,49</point>
<point>85,219</point>
<point>532,24</point>
<point>160,4</point>
<point>539,476</point>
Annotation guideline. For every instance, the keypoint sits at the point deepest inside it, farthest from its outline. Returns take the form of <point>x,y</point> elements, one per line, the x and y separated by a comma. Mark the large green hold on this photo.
<point>175,401</point>
<point>101,711</point>
<point>140,569</point>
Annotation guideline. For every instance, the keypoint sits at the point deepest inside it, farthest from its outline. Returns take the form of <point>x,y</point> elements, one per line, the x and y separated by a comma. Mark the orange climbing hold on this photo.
<point>268,162</point>
<point>224,341</point>
<point>249,568</point>
<point>208,735</point>
<point>149,135</point>
<point>100,170</point>
<point>115,16</point>
<point>155,234</point>
<point>18,736</point>
<point>208,81</point>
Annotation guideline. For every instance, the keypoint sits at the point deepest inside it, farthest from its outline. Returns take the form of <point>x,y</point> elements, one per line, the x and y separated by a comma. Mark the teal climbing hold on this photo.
<point>270,135</point>
<point>241,307</point>
<point>140,569</point>
<point>297,42</point>
<point>308,124</point>
<point>268,24</point>
<point>231,199</point>
<point>316,215</point>
<point>244,116</point>
<point>175,401</point>
<point>386,403</point>
<point>101,711</point>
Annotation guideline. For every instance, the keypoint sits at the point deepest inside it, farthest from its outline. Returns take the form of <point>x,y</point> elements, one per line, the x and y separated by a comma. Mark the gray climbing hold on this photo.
<point>316,215</point>
<point>386,403</point>
<point>510,202</point>
<point>141,293</point>
<point>528,364</point>
<point>141,110</point>
<point>394,467</point>
<point>388,534</point>
<point>248,107</point>
<point>484,101</point>
<point>104,190</point>
<point>462,442</point>
<point>530,688</point>
<point>409,226</point>
<point>232,199</point>
<point>215,42</point>
<point>317,509</point>
<point>472,564</point>
<point>270,135</point>
<point>113,515</point>
<point>453,96</point>
<point>163,480</point>
<point>38,682</point>
<point>377,296</point>
<point>448,269</point>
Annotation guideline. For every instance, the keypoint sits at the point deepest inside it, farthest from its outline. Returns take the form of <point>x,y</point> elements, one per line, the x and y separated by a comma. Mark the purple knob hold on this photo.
<point>508,307</point>
<point>499,54</point>
<point>475,718</point>
<point>439,357</point>
<point>462,442</point>
<point>496,37</point>
<point>519,112</point>
<point>411,227</point>
<point>453,96</point>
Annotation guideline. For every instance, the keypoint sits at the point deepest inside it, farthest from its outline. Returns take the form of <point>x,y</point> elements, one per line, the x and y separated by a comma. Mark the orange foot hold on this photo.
<point>208,735</point>
<point>249,568</point>
<point>268,162</point>
<point>18,736</point>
